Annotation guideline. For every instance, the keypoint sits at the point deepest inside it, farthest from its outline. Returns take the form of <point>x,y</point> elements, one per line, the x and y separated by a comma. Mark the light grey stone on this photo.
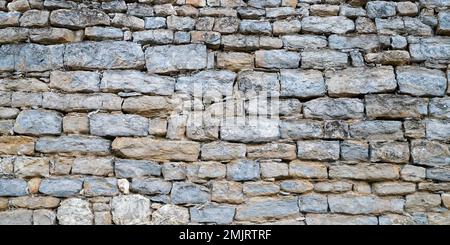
<point>374,172</point>
<point>75,81</point>
<point>118,125</point>
<point>243,170</point>
<point>318,150</point>
<point>130,210</point>
<point>324,59</point>
<point>277,59</point>
<point>258,209</point>
<point>93,166</point>
<point>301,129</point>
<point>329,24</point>
<point>31,57</point>
<point>164,59</point>
<point>104,55</point>
<point>151,186</point>
<point>313,203</point>
<point>364,204</point>
<point>125,168</point>
<point>355,81</point>
<point>254,130</point>
<point>38,122</point>
<point>16,217</point>
<point>100,187</point>
<point>338,219</point>
<point>75,211</point>
<point>184,193</point>
<point>78,19</point>
<point>170,214</point>
<point>341,108</point>
<point>213,214</point>
<point>420,81</point>
<point>61,187</point>
<point>438,129</point>
<point>73,144</point>
<point>304,42</point>
<point>13,187</point>
<point>302,84</point>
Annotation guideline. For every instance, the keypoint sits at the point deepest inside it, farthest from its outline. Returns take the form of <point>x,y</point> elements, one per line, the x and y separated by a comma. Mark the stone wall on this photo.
<point>224,111</point>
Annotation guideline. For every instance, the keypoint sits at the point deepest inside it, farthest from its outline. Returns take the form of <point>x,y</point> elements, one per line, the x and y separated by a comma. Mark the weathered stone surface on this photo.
<point>377,130</point>
<point>421,81</point>
<point>93,166</point>
<point>278,59</point>
<point>75,211</point>
<point>184,192</point>
<point>209,84</point>
<point>73,144</point>
<point>61,187</point>
<point>164,59</point>
<point>16,217</point>
<point>422,201</point>
<point>258,209</point>
<point>313,203</point>
<point>394,188</point>
<point>132,81</point>
<point>272,151</point>
<point>433,48</point>
<point>13,187</point>
<point>301,84</point>
<point>140,148</point>
<point>301,129</point>
<point>243,170</point>
<point>31,167</point>
<point>146,105</point>
<point>125,168</point>
<point>96,33</point>
<point>213,214</point>
<point>318,150</point>
<point>440,108</point>
<point>235,61</point>
<point>413,173</point>
<point>44,217</point>
<point>130,210</point>
<point>100,187</point>
<point>227,192</point>
<point>338,219</point>
<point>355,81</point>
<point>333,186</point>
<point>77,19</point>
<point>103,55</point>
<point>430,153</point>
<point>366,42</point>
<point>396,152</point>
<point>304,42</point>
<point>296,186</point>
<point>329,24</point>
<point>118,125</point>
<point>77,81</point>
<point>222,151</point>
<point>170,214</point>
<point>326,108</point>
<point>364,204</point>
<point>439,174</point>
<point>150,186</point>
<point>303,169</point>
<point>274,169</point>
<point>260,188</point>
<point>38,122</point>
<point>253,130</point>
<point>31,57</point>
<point>395,106</point>
<point>324,59</point>
<point>372,172</point>
<point>35,202</point>
<point>81,102</point>
<point>20,145</point>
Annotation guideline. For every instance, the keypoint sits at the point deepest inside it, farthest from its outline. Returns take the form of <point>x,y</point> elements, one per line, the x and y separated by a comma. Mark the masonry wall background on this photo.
<point>100,122</point>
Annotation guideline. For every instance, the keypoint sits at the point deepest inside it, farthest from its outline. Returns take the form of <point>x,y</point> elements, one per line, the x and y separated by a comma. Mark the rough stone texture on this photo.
<point>171,112</point>
<point>130,210</point>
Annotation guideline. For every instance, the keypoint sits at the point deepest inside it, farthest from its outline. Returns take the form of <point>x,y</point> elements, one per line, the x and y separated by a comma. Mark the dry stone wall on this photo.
<point>224,112</point>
